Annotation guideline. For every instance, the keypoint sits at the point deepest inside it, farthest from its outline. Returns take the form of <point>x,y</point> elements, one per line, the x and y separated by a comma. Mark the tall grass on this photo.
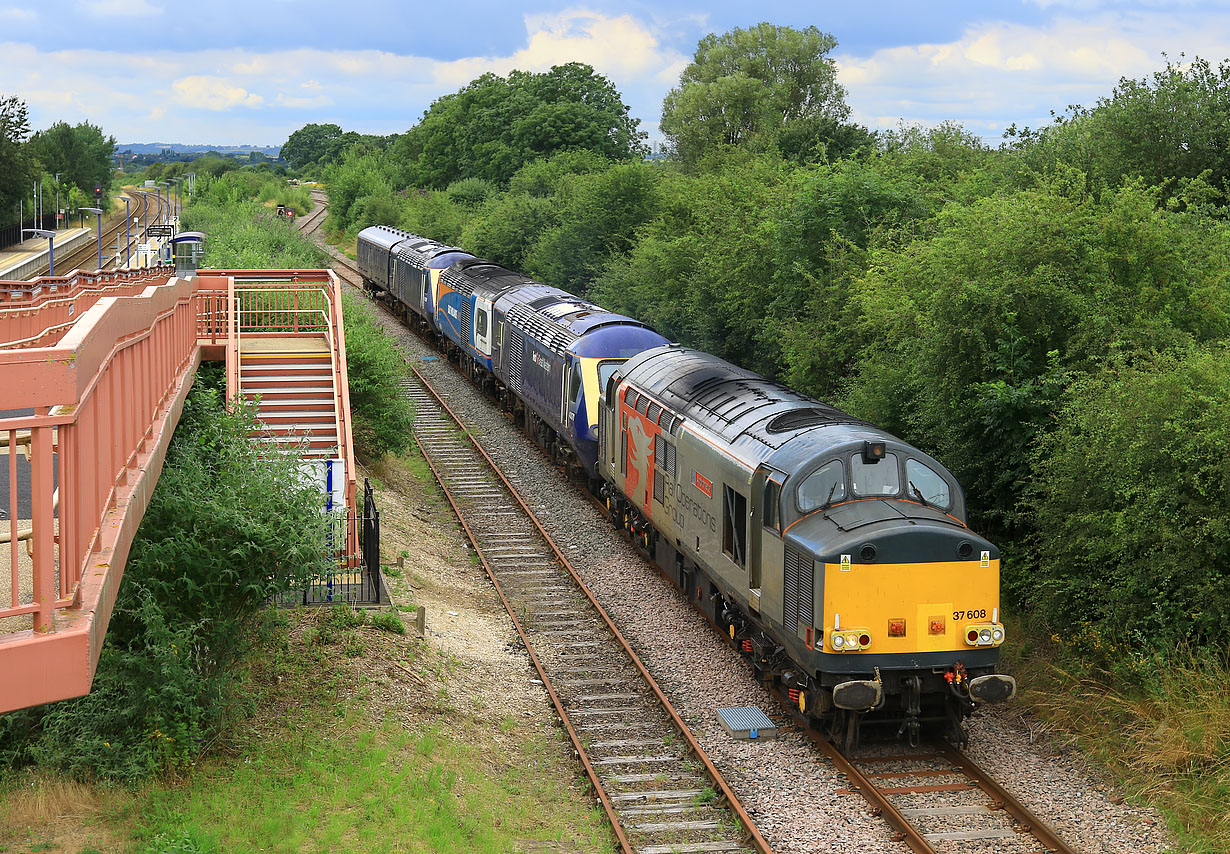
<point>1160,722</point>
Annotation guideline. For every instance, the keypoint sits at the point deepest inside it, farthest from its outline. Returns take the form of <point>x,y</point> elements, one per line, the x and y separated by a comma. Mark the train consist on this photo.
<point>834,556</point>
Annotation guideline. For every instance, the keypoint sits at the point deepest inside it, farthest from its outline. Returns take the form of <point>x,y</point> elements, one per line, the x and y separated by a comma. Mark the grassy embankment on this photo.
<point>1159,725</point>
<point>341,736</point>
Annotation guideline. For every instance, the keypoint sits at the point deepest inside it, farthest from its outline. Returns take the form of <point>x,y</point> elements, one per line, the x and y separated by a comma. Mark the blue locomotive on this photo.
<point>543,352</point>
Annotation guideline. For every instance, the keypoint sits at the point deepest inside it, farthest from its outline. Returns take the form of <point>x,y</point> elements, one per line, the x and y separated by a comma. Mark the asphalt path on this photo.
<point>23,474</point>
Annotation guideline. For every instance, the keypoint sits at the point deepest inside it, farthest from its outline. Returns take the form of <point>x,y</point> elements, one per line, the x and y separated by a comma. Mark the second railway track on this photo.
<point>657,786</point>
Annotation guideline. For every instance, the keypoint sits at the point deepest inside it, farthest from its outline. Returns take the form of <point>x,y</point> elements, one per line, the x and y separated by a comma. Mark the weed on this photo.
<point>343,616</point>
<point>387,621</point>
<point>706,795</point>
<point>353,647</point>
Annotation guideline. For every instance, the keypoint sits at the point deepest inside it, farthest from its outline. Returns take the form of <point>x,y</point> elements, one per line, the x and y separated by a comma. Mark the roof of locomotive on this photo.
<point>384,236</point>
<point>565,321</point>
<point>737,405</point>
<point>422,250</point>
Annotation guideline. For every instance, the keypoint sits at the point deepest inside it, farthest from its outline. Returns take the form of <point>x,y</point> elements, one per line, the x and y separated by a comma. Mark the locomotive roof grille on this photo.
<point>422,252</point>
<point>822,415</point>
<point>558,337</point>
<point>458,282</point>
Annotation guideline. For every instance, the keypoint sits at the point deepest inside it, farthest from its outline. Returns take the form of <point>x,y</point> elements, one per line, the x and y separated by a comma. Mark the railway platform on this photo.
<point>94,371</point>
<point>20,261</point>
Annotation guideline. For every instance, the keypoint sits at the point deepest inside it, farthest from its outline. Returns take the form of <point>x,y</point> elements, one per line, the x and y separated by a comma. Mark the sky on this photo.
<point>249,73</point>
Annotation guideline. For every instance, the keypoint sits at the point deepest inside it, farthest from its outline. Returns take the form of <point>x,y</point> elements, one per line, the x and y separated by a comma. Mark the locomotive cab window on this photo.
<point>574,389</point>
<point>826,485</point>
<point>925,482</point>
<point>482,323</point>
<point>875,479</point>
<point>606,372</point>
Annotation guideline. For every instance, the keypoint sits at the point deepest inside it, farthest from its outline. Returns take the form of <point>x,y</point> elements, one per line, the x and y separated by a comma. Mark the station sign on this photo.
<point>163,231</point>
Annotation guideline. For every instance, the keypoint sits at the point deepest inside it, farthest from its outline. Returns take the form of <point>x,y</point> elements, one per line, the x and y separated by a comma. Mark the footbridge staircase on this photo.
<point>94,370</point>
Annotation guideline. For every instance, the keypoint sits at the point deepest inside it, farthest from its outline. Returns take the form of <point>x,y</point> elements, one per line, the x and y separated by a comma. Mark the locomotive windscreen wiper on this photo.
<point>917,494</point>
<point>829,500</point>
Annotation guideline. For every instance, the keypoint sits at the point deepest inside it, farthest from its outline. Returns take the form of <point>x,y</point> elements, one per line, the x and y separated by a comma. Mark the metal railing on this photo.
<point>287,303</point>
<point>93,414</point>
<point>35,314</point>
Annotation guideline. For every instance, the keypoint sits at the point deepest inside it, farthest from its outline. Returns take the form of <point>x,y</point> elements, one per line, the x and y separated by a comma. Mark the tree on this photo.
<point>1175,124</point>
<point>81,153</point>
<point>761,85</point>
<point>310,144</point>
<point>16,167</point>
<point>494,125</point>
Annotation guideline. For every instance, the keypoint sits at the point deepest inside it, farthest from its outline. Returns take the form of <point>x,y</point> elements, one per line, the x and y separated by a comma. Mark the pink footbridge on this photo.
<point>94,370</point>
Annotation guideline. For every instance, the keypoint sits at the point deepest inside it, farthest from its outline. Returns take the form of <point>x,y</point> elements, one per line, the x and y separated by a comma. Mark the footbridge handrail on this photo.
<point>94,413</point>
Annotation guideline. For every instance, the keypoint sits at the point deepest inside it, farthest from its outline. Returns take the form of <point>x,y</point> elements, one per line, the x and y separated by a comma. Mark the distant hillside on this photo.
<point>181,148</point>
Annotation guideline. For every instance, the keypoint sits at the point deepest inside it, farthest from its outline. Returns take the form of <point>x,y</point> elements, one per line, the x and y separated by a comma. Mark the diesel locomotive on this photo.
<point>834,556</point>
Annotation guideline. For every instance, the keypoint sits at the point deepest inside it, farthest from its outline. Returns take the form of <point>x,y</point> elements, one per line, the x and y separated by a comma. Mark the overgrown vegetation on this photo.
<point>230,525</point>
<point>382,414</point>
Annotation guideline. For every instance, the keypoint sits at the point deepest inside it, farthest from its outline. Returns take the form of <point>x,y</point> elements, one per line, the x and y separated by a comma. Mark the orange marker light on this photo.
<point>937,626</point>
<point>896,628</point>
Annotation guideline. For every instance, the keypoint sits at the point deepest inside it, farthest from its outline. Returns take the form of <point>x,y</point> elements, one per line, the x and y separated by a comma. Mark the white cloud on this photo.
<point>119,8</point>
<point>214,93</point>
<point>620,47</point>
<point>998,73</point>
<point>21,16</point>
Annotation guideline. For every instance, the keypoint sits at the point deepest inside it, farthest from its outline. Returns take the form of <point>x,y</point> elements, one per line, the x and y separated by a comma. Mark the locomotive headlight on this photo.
<point>837,641</point>
<point>984,636</point>
<point>997,634</point>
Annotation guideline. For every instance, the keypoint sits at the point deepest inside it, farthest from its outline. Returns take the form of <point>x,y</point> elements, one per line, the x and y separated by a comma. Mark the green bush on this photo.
<point>230,525</point>
<point>1131,504</point>
<point>388,621</point>
<point>380,412</point>
<point>241,234</point>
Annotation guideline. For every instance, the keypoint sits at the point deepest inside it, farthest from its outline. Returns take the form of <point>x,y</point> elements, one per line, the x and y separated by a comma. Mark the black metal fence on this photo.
<point>354,583</point>
<point>10,235</point>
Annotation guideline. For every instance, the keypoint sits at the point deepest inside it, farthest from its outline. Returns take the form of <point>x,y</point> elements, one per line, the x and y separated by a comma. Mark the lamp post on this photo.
<point>99,213</point>
<point>161,217</point>
<point>58,174</point>
<point>127,234</point>
<point>179,197</point>
<point>51,245</point>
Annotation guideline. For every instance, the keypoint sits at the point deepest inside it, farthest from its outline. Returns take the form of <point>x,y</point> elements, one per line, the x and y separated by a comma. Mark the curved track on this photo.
<point>146,209</point>
<point>937,800</point>
<point>659,789</point>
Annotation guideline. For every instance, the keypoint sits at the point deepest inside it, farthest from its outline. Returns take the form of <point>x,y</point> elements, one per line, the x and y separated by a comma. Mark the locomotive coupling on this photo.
<point>992,688</point>
<point>858,695</point>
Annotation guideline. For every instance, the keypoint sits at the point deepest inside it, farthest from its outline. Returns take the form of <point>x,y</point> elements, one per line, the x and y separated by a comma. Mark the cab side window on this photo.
<point>482,323</point>
<point>772,505</point>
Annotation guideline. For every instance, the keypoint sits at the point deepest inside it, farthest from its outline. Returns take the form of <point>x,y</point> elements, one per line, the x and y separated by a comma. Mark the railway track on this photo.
<point>311,223</point>
<point>939,800</point>
<point>659,789</point>
<point>85,257</point>
<point>936,799</point>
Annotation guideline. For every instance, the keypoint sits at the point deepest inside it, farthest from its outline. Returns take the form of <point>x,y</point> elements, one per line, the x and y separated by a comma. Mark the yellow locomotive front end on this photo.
<point>908,614</point>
